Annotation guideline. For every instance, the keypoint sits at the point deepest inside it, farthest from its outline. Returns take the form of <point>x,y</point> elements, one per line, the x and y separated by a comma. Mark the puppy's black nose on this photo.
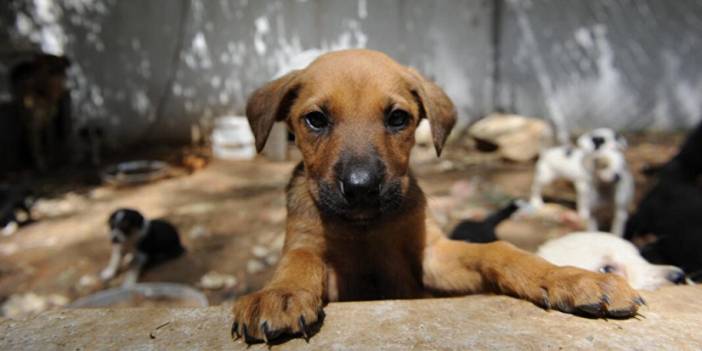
<point>598,141</point>
<point>677,277</point>
<point>360,185</point>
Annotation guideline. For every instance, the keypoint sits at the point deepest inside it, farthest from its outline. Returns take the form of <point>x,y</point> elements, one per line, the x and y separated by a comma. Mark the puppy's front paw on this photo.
<point>106,275</point>
<point>578,291</point>
<point>270,313</point>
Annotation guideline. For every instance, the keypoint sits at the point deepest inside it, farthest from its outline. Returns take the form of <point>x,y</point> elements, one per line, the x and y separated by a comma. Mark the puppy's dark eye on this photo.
<point>397,120</point>
<point>317,121</point>
<point>608,269</point>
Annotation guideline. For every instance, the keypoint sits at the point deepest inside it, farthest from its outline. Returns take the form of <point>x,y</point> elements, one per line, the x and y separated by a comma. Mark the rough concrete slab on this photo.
<point>670,322</point>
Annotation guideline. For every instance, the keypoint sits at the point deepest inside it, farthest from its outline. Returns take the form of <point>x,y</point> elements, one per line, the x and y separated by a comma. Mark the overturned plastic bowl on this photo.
<point>144,295</point>
<point>135,172</point>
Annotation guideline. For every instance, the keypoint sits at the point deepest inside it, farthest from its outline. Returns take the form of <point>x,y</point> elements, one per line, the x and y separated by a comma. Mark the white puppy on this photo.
<point>598,170</point>
<point>603,252</point>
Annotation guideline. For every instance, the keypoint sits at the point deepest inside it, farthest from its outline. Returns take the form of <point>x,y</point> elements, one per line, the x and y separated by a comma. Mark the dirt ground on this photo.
<point>231,217</point>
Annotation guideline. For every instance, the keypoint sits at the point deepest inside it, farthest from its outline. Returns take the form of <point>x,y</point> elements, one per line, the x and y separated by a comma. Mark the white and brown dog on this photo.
<point>147,241</point>
<point>603,252</point>
<point>597,168</point>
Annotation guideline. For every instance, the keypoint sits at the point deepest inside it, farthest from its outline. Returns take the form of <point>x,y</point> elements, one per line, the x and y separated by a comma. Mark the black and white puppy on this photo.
<point>15,208</point>
<point>598,170</point>
<point>148,241</point>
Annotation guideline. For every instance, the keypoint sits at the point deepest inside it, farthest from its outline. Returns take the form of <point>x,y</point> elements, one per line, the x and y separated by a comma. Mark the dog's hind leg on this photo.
<point>620,216</point>
<point>585,199</point>
<point>622,197</point>
<point>542,176</point>
<point>456,267</point>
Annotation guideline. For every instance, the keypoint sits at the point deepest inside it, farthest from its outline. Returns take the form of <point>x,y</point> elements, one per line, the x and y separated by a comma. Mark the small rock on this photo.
<point>517,138</point>
<point>446,165</point>
<point>278,242</point>
<point>198,231</point>
<point>87,280</point>
<point>255,266</point>
<point>272,259</point>
<point>10,228</point>
<point>260,251</point>
<point>215,281</point>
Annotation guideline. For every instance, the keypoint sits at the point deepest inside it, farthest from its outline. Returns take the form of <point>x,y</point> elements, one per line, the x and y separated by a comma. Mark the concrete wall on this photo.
<point>149,70</point>
<point>629,64</point>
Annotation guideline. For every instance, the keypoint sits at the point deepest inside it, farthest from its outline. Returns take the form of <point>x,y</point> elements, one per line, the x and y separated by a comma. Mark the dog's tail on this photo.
<point>494,219</point>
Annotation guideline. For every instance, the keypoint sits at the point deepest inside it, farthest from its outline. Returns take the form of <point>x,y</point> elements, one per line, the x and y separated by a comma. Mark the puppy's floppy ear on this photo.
<point>435,106</point>
<point>271,103</point>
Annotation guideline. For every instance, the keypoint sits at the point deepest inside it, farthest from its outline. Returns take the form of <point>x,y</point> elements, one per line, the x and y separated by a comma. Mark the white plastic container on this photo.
<point>232,139</point>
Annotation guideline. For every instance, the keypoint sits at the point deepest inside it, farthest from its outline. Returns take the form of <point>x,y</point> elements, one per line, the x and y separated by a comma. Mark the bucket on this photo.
<point>232,139</point>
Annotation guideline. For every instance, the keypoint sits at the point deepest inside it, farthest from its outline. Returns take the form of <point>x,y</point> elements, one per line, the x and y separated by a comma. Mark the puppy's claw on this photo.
<point>303,328</point>
<point>622,313</point>
<point>606,300</point>
<point>264,331</point>
<point>247,339</point>
<point>235,331</point>
<point>545,301</point>
<point>640,301</point>
<point>592,309</point>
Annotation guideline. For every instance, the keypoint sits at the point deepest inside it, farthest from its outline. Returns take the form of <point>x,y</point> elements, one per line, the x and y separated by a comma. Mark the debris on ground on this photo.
<point>198,231</point>
<point>255,266</point>
<point>66,205</point>
<point>21,305</point>
<point>88,283</point>
<point>215,281</point>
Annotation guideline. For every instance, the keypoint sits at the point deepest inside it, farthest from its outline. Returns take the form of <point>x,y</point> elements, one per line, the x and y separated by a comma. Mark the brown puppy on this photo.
<point>358,227</point>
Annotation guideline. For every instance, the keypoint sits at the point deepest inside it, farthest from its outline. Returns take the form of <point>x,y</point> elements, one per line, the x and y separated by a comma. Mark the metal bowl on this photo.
<point>135,172</point>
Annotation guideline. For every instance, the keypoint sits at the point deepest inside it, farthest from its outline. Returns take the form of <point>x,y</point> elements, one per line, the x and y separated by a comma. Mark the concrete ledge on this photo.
<point>672,321</point>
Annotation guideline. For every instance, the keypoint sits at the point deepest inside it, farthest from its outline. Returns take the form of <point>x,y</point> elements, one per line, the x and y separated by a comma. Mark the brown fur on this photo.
<point>403,254</point>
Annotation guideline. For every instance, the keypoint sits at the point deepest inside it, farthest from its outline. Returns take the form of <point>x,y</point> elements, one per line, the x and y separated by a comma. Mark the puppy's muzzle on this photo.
<point>117,236</point>
<point>360,185</point>
<point>598,141</point>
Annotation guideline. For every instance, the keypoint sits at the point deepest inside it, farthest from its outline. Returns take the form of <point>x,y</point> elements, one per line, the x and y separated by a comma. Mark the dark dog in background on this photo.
<point>668,221</point>
<point>15,207</point>
<point>484,231</point>
<point>148,241</point>
<point>43,104</point>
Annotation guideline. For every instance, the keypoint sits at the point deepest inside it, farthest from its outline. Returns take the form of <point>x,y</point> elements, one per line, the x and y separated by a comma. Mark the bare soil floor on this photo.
<point>231,217</point>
